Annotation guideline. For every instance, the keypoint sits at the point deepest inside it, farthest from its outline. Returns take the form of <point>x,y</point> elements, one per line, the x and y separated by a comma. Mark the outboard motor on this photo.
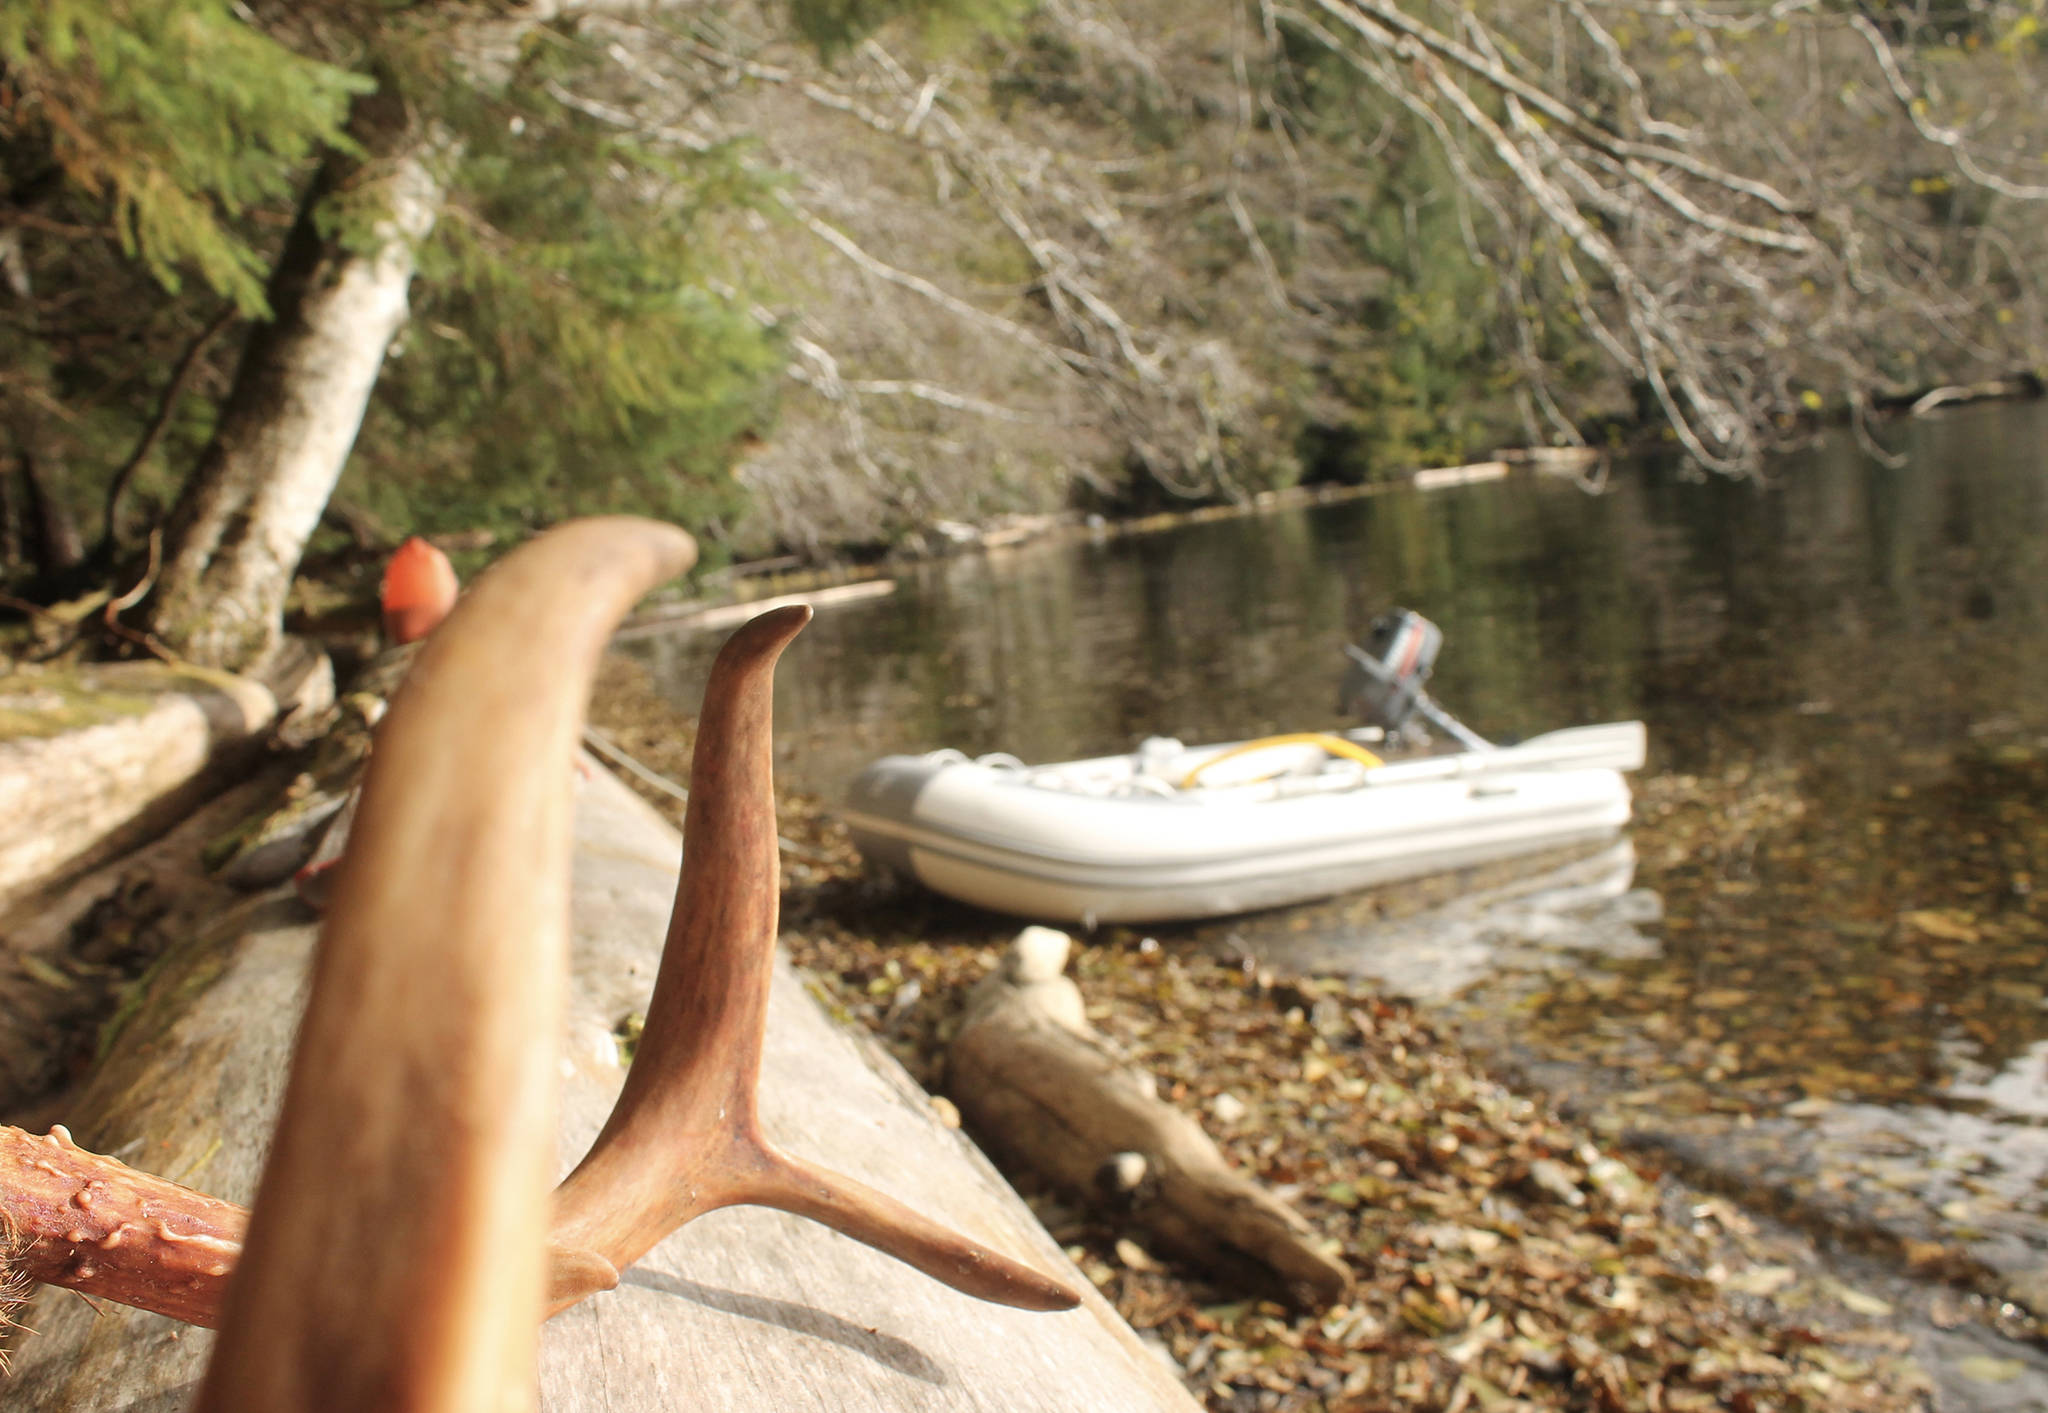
<point>1385,683</point>
<point>1387,674</point>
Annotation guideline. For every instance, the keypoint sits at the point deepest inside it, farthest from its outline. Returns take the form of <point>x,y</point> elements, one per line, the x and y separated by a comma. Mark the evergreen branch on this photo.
<point>16,216</point>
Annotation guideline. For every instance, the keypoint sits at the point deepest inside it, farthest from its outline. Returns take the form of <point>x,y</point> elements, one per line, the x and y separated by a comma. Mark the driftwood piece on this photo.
<point>2022,385</point>
<point>95,760</point>
<point>1033,1079</point>
<point>671,618</point>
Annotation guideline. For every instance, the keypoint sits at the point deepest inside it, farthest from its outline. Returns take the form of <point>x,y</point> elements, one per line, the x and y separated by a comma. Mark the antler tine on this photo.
<point>395,1257</point>
<point>685,1137</point>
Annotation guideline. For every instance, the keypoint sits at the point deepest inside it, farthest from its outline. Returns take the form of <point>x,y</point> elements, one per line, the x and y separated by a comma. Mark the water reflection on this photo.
<point>1533,920</point>
<point>1219,630</point>
<point>2021,1087</point>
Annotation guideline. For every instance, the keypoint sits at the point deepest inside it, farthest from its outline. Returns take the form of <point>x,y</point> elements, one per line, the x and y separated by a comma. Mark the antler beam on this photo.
<point>394,1257</point>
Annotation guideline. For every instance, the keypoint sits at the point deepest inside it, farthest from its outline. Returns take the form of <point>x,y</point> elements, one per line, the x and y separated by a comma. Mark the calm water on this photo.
<point>1836,940</point>
<point>1909,606</point>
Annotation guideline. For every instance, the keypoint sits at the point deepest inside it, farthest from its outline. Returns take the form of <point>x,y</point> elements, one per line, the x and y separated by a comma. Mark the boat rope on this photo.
<point>1335,745</point>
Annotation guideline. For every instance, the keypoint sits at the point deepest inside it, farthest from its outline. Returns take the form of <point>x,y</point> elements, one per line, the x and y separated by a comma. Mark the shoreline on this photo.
<point>1482,1283</point>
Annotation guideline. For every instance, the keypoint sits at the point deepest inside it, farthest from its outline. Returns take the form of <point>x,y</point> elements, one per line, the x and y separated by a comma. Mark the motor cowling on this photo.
<point>1384,684</point>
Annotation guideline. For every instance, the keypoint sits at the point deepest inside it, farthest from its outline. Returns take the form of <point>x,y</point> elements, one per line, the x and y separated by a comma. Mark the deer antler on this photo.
<point>685,1137</point>
<point>388,1262</point>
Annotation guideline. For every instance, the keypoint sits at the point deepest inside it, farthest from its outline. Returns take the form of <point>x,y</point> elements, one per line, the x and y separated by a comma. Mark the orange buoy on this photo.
<point>419,590</point>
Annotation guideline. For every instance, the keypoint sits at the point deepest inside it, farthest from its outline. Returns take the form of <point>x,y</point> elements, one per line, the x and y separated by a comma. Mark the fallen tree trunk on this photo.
<point>1036,1082</point>
<point>745,1308</point>
<point>94,760</point>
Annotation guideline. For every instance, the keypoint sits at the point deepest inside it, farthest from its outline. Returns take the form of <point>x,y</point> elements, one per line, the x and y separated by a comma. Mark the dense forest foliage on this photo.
<point>818,274</point>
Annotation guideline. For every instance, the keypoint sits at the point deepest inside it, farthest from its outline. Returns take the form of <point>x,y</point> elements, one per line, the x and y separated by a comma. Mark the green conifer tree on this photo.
<point>571,351</point>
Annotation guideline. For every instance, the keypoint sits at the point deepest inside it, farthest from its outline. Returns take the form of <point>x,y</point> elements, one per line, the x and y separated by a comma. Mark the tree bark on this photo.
<point>241,524</point>
<point>298,398</point>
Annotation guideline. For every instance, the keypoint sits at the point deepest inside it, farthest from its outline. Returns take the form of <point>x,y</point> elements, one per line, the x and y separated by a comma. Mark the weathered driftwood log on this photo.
<point>380,1282</point>
<point>93,760</point>
<point>1036,1082</point>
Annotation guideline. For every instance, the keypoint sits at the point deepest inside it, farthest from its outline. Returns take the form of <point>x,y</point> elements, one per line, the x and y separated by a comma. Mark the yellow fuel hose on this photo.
<point>1335,745</point>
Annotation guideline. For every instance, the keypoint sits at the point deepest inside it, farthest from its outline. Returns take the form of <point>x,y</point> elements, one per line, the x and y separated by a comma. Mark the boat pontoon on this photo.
<point>1171,831</point>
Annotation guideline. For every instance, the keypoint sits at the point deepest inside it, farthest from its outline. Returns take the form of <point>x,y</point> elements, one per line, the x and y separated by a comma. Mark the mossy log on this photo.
<point>745,1308</point>
<point>1037,1083</point>
<point>93,760</point>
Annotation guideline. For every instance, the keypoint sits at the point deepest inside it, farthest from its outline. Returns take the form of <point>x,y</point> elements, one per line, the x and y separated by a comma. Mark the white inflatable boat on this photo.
<point>1173,832</point>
